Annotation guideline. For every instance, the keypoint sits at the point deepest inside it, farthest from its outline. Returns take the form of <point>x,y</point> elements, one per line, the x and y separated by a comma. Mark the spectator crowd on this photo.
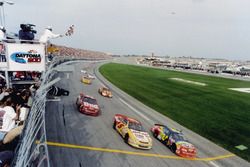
<point>14,108</point>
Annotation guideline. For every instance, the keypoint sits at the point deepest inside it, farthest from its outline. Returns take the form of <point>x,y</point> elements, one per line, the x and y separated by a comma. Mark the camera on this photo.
<point>28,28</point>
<point>27,32</point>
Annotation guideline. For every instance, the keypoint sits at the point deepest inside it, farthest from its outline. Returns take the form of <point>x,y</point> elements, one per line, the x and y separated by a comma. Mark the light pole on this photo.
<point>2,22</point>
<point>2,15</point>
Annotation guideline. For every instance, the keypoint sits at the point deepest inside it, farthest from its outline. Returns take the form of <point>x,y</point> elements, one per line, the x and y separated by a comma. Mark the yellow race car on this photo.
<point>132,132</point>
<point>86,80</point>
<point>106,92</point>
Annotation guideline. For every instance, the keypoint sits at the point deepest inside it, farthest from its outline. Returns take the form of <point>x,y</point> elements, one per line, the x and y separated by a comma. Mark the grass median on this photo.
<point>204,104</point>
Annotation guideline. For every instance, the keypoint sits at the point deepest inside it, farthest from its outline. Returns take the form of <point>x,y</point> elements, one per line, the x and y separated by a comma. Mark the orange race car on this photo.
<point>132,132</point>
<point>175,140</point>
<point>106,92</point>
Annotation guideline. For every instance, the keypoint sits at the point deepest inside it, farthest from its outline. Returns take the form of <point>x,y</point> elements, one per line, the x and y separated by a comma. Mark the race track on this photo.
<point>77,140</point>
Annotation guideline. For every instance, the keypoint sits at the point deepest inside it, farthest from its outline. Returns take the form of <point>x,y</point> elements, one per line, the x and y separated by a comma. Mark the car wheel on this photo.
<point>81,108</point>
<point>126,138</point>
<point>165,142</point>
<point>114,125</point>
<point>173,148</point>
<point>155,134</point>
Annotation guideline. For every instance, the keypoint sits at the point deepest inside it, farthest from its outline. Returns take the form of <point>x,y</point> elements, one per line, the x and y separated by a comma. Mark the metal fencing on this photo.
<point>32,149</point>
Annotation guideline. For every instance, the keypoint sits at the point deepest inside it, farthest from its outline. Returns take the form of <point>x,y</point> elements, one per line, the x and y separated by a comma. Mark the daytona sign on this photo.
<point>25,57</point>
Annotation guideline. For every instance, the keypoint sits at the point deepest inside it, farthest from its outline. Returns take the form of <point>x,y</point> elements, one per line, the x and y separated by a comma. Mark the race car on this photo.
<point>84,71</point>
<point>87,105</point>
<point>90,76</point>
<point>175,140</point>
<point>132,132</point>
<point>86,80</point>
<point>105,92</point>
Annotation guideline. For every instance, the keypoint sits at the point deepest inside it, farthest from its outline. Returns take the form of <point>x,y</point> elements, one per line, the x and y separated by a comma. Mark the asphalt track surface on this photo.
<point>77,140</point>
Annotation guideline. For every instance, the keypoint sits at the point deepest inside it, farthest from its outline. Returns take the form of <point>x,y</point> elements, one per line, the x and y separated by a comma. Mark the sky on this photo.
<point>197,28</point>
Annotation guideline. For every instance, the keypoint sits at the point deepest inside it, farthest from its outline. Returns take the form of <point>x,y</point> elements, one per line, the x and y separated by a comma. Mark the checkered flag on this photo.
<point>70,31</point>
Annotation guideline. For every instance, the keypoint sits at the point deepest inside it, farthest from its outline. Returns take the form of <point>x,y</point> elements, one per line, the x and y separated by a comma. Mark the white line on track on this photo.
<point>136,111</point>
<point>214,164</point>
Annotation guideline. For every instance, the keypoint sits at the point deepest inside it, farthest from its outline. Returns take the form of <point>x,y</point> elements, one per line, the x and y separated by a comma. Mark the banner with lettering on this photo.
<point>25,57</point>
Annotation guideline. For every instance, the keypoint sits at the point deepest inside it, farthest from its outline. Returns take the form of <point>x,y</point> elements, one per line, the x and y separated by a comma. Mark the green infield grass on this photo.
<point>213,111</point>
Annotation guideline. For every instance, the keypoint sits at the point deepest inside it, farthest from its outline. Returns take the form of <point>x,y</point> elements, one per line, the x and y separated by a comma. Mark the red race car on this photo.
<point>175,140</point>
<point>87,105</point>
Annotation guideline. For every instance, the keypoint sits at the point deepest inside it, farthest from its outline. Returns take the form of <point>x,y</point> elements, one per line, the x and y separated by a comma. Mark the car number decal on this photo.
<point>119,126</point>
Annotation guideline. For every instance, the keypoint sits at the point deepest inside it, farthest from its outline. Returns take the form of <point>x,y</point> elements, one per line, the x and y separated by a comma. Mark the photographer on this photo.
<point>27,32</point>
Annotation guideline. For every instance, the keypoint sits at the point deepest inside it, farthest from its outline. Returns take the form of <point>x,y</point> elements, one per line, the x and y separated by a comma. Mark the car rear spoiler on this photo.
<point>168,127</point>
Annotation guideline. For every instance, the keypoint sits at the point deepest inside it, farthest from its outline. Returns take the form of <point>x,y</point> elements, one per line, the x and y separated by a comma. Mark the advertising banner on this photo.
<point>25,57</point>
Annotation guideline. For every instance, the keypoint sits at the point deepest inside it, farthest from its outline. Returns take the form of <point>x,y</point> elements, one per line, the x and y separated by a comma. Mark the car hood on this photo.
<point>106,92</point>
<point>141,136</point>
<point>91,106</point>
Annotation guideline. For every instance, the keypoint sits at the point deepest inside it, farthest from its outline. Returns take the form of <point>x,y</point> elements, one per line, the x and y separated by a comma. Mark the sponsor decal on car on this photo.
<point>90,105</point>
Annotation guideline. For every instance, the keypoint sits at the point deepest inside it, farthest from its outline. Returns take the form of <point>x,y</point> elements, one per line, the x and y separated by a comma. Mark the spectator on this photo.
<point>32,92</point>
<point>2,33</point>
<point>2,112</point>
<point>2,82</point>
<point>10,116</point>
<point>35,75</point>
<point>6,158</point>
<point>22,98</point>
<point>4,93</point>
<point>48,34</point>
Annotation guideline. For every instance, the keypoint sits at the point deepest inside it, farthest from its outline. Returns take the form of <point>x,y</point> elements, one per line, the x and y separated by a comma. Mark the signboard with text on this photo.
<point>25,57</point>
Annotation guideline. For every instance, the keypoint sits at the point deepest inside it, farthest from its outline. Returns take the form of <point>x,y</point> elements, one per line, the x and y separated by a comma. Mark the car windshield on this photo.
<point>179,137</point>
<point>166,131</point>
<point>86,77</point>
<point>136,126</point>
<point>89,100</point>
